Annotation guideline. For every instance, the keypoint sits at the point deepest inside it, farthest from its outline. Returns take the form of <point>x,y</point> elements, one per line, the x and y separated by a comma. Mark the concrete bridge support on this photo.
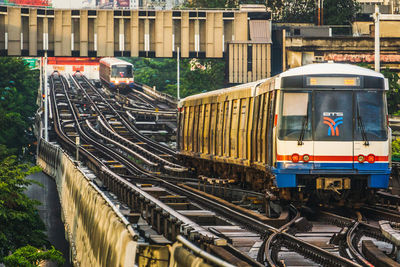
<point>230,34</point>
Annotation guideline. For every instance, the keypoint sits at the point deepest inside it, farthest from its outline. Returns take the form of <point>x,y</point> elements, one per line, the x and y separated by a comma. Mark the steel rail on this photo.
<point>141,149</point>
<point>290,241</point>
<point>132,128</point>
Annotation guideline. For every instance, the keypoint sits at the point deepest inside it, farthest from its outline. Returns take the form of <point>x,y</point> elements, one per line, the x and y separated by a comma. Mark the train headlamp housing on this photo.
<point>306,158</point>
<point>295,158</point>
<point>371,158</point>
<point>361,158</point>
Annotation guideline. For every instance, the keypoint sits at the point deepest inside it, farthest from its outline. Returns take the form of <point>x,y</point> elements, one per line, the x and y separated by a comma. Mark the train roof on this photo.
<point>113,61</point>
<point>222,91</point>
<point>331,68</point>
<point>313,69</point>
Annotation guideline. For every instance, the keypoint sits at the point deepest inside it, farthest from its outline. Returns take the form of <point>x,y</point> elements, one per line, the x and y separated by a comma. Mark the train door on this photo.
<point>333,130</point>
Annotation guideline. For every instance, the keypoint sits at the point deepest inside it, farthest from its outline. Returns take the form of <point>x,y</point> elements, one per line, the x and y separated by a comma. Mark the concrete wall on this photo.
<point>98,235</point>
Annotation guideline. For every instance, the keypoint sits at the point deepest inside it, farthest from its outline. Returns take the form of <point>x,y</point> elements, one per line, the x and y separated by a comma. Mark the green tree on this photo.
<point>196,75</point>
<point>30,256</point>
<point>212,4</point>
<point>293,10</point>
<point>340,12</point>
<point>393,95</point>
<point>221,3</point>
<point>20,223</point>
<point>18,92</point>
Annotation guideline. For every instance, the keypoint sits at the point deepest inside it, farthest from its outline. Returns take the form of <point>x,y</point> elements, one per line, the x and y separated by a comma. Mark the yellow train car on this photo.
<point>233,129</point>
<point>319,129</point>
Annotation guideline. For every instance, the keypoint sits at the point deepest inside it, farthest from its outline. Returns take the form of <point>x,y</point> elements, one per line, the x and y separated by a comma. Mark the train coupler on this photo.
<point>334,184</point>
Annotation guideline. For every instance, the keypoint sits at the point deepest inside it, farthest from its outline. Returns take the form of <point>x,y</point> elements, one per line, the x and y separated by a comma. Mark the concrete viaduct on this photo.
<point>241,36</point>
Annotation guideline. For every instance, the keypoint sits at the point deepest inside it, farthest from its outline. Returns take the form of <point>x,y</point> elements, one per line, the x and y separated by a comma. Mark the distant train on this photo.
<point>318,130</point>
<point>116,74</point>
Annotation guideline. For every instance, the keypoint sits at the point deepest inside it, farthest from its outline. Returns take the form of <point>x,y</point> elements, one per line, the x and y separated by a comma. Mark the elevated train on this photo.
<point>117,74</point>
<point>317,131</point>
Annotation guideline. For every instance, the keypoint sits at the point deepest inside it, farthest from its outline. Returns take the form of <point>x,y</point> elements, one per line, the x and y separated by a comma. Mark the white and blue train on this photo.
<point>117,74</point>
<point>319,129</point>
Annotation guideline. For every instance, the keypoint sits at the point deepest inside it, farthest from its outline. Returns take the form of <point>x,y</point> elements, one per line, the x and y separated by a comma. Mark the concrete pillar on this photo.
<point>121,35</point>
<point>83,33</point>
<point>196,35</point>
<point>230,66</point>
<point>105,33</point>
<point>14,31</point>
<point>134,33</point>
<point>160,34</point>
<point>163,34</point>
<point>62,32</point>
<point>45,33</point>
<point>167,47</point>
<point>214,34</point>
<point>283,50</point>
<point>241,26</point>
<point>146,35</point>
<point>3,31</point>
<point>184,34</point>
<point>33,32</point>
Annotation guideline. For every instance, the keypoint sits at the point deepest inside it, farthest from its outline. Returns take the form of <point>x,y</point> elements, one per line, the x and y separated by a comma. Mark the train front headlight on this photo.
<point>361,158</point>
<point>371,158</point>
<point>295,158</point>
<point>306,158</point>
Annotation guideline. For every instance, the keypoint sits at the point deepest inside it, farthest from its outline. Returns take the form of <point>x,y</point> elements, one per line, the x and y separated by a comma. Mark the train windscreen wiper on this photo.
<point>303,130</point>
<point>361,126</point>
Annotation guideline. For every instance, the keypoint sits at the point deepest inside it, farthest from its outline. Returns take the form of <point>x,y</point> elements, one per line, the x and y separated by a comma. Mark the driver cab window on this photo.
<point>295,116</point>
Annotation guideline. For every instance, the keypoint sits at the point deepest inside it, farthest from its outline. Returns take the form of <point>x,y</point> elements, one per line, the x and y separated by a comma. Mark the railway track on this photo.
<point>160,195</point>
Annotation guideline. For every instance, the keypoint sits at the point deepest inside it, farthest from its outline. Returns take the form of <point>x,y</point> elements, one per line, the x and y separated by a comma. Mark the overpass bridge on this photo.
<point>241,36</point>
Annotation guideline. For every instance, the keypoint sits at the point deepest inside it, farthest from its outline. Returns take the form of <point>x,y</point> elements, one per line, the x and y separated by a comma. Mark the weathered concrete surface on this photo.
<point>50,211</point>
<point>97,232</point>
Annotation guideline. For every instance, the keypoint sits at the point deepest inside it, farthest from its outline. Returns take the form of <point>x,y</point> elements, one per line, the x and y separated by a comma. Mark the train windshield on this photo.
<point>336,116</point>
<point>370,123</point>
<point>121,71</point>
<point>295,119</point>
<point>333,113</point>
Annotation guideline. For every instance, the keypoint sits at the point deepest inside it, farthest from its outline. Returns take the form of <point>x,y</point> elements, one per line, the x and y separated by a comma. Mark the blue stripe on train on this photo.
<point>378,173</point>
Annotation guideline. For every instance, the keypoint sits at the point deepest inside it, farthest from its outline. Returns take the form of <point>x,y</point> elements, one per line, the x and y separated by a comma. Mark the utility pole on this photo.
<point>377,40</point>
<point>46,104</point>
<point>177,74</point>
<point>41,94</point>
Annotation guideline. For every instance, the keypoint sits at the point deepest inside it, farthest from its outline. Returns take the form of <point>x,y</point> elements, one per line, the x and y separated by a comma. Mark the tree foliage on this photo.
<point>393,95</point>
<point>30,256</point>
<point>196,75</point>
<point>336,12</point>
<point>18,92</point>
<point>340,12</point>
<point>221,3</point>
<point>293,10</point>
<point>20,223</point>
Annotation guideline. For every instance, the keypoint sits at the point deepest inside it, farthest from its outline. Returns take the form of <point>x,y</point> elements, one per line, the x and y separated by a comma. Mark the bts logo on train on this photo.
<point>334,122</point>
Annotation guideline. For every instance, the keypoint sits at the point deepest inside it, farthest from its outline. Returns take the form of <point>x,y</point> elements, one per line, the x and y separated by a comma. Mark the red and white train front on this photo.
<point>332,132</point>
